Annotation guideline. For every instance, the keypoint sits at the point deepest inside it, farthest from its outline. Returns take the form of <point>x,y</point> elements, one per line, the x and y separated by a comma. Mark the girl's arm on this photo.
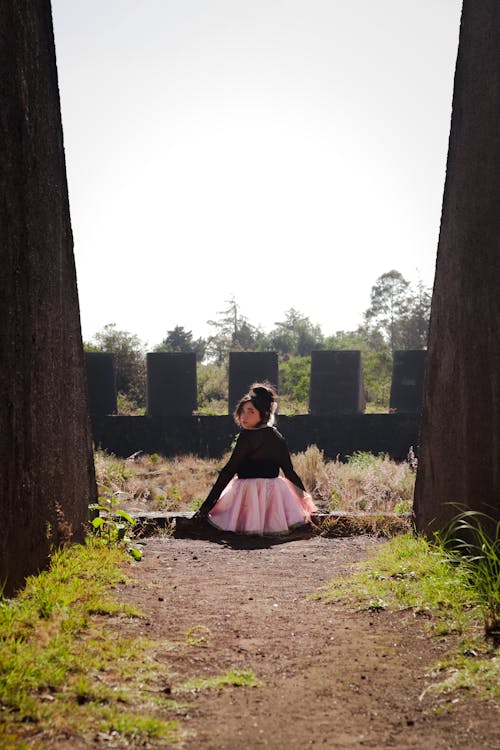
<point>241,450</point>
<point>289,471</point>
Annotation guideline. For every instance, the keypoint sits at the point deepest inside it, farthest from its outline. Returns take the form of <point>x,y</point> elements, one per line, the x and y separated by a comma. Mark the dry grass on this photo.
<point>367,483</point>
<point>154,483</point>
<point>364,483</point>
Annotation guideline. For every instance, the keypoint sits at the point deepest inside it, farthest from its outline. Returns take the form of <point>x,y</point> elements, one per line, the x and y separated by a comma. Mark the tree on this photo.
<point>130,361</point>
<point>47,479</point>
<point>413,327</point>
<point>399,311</point>
<point>233,332</point>
<point>295,336</point>
<point>388,305</point>
<point>180,340</point>
<point>459,452</point>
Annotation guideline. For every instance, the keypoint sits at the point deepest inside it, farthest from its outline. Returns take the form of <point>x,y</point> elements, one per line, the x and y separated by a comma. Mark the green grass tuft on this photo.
<point>233,678</point>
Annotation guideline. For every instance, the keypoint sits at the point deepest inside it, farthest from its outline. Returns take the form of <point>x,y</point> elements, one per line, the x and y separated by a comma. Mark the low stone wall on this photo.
<point>211,437</point>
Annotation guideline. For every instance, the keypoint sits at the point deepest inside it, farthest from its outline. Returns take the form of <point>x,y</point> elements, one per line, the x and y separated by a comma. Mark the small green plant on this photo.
<point>377,605</point>
<point>362,460</point>
<point>198,635</point>
<point>112,524</point>
<point>403,507</point>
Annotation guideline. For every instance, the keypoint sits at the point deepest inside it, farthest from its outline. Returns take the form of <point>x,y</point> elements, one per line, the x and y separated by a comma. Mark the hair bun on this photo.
<point>264,393</point>
<point>261,391</point>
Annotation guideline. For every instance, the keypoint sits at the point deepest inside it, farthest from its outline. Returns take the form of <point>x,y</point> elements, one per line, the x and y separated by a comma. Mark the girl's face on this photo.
<point>249,416</point>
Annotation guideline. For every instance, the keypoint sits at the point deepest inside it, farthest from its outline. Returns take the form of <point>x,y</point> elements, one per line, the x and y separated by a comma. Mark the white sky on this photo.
<point>284,152</point>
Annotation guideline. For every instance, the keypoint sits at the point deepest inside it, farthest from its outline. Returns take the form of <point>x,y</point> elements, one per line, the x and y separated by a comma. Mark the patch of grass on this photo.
<point>412,573</point>
<point>153,483</point>
<point>364,482</point>
<point>233,678</point>
<point>473,542</point>
<point>198,635</point>
<point>62,669</point>
<point>378,524</point>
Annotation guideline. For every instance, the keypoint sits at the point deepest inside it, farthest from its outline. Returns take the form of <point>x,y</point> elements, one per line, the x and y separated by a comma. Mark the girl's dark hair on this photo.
<point>264,398</point>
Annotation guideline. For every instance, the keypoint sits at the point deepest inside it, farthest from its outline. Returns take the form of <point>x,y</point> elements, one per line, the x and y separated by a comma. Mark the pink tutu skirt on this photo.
<point>261,507</point>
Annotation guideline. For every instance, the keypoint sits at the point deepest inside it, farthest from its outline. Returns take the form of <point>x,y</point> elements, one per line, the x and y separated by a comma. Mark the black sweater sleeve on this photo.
<point>289,471</point>
<point>241,450</point>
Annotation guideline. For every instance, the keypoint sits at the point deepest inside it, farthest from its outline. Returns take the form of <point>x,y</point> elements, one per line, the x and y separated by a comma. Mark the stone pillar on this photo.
<point>101,383</point>
<point>46,461</point>
<point>171,384</point>
<point>336,383</point>
<point>408,368</point>
<point>459,452</point>
<point>246,368</point>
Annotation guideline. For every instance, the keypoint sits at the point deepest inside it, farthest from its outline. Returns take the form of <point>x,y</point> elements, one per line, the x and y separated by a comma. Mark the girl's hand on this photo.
<point>200,515</point>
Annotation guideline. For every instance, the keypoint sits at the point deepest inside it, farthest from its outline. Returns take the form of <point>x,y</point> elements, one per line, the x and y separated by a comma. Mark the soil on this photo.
<point>331,676</point>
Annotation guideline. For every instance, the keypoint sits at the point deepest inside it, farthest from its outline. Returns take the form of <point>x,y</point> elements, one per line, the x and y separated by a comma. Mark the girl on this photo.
<point>257,500</point>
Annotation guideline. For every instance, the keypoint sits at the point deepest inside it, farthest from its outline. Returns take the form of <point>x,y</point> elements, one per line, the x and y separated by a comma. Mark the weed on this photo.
<point>403,507</point>
<point>233,678</point>
<point>112,524</point>
<point>198,635</point>
<point>472,542</point>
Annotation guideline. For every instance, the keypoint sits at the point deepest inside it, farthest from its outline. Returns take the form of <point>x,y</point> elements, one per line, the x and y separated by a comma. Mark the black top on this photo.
<point>257,454</point>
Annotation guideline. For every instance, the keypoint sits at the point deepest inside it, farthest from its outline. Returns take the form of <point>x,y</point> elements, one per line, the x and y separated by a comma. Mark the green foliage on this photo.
<point>377,376</point>
<point>232,332</point>
<point>180,340</point>
<point>212,383</point>
<point>112,524</point>
<point>399,311</point>
<point>198,635</point>
<point>362,460</point>
<point>295,336</point>
<point>413,327</point>
<point>111,470</point>
<point>294,379</point>
<point>128,407</point>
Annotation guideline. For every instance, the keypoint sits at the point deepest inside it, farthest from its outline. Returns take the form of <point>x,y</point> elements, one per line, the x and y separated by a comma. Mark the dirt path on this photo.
<point>331,677</point>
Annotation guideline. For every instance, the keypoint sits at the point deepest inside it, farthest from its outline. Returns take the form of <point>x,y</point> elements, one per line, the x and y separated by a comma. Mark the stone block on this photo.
<point>171,384</point>
<point>336,383</point>
<point>101,383</point>
<point>408,370</point>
